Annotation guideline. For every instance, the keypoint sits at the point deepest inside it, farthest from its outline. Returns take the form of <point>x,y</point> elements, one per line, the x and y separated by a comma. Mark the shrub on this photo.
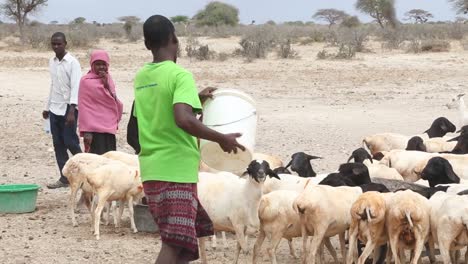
<point>216,14</point>
<point>257,43</point>
<point>286,51</point>
<point>435,46</point>
<point>223,56</point>
<point>198,51</point>
<point>393,38</point>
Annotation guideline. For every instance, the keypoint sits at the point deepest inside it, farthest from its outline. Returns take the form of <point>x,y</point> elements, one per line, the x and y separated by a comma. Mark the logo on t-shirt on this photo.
<point>147,86</point>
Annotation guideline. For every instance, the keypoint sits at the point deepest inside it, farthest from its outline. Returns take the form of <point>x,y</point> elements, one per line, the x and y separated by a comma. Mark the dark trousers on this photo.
<point>64,138</point>
<point>102,143</point>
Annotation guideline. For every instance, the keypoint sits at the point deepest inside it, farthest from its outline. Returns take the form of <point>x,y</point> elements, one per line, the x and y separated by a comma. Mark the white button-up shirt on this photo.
<point>65,76</point>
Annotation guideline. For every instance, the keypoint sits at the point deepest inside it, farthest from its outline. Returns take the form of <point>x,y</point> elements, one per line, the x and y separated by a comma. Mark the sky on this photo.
<point>259,10</point>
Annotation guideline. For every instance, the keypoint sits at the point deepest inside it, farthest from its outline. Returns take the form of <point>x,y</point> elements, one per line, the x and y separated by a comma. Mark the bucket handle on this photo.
<point>254,112</point>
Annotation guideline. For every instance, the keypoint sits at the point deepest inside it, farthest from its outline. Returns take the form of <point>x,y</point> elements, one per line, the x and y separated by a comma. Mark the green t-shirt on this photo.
<point>168,153</point>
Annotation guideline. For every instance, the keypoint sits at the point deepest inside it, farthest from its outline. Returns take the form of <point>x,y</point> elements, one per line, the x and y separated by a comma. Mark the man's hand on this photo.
<point>88,139</point>
<point>70,118</point>
<point>229,143</point>
<point>206,94</point>
<point>45,114</point>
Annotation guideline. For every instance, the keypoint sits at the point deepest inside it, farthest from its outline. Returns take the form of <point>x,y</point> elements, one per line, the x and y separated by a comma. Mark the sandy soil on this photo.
<point>321,107</point>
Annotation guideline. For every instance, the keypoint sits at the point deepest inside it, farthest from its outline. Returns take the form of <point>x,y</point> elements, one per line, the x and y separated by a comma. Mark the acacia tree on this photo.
<point>461,6</point>
<point>180,19</point>
<point>19,10</point>
<point>332,16</point>
<point>129,23</point>
<point>418,16</point>
<point>383,11</point>
<point>216,14</point>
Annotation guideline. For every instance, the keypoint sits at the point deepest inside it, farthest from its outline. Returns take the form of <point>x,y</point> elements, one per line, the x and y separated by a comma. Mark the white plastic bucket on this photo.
<point>230,111</point>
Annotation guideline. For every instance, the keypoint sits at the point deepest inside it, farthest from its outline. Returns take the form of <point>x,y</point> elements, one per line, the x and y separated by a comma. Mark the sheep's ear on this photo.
<point>350,158</point>
<point>450,173</point>
<point>245,172</point>
<point>289,164</point>
<point>454,139</point>
<point>273,174</point>
<point>309,157</point>
<point>369,157</point>
<point>460,95</point>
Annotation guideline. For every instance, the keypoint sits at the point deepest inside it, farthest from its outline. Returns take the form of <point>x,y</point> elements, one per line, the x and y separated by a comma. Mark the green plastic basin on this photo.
<point>18,198</point>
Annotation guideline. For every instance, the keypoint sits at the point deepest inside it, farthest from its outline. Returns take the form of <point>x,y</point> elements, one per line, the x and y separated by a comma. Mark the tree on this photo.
<point>180,19</point>
<point>78,21</point>
<point>216,14</point>
<point>53,22</point>
<point>383,11</point>
<point>351,22</point>
<point>418,16</point>
<point>129,23</point>
<point>461,6</point>
<point>19,10</point>
<point>332,16</point>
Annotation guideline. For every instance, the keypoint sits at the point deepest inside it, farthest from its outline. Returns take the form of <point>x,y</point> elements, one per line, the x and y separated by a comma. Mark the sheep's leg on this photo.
<point>258,245</point>
<point>321,255</point>
<point>317,239</point>
<point>370,246</point>
<point>394,246</point>
<point>97,213</point>
<point>73,191</point>
<point>223,235</point>
<point>120,212</point>
<point>341,236</point>
<point>94,201</point>
<point>291,249</point>
<point>432,258</point>
<point>131,212</point>
<point>275,240</point>
<point>214,244</point>
<point>402,256</point>
<point>389,254</point>
<point>352,252</point>
<point>304,243</point>
<point>241,241</point>
<point>330,248</point>
<point>201,242</point>
<point>466,256</point>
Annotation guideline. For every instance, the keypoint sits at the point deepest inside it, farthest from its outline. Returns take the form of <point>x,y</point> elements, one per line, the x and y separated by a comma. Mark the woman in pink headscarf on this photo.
<point>99,108</point>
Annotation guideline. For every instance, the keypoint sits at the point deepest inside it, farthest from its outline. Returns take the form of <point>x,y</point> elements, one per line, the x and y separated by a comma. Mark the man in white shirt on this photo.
<point>61,109</point>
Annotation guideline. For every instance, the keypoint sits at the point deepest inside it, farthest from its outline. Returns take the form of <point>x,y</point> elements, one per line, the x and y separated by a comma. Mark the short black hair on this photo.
<point>157,31</point>
<point>59,35</point>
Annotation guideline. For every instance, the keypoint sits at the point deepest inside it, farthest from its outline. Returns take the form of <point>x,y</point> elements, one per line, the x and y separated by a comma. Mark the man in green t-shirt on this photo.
<point>166,104</point>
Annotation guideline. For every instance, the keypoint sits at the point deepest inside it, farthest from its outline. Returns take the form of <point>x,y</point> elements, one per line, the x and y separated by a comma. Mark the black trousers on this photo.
<point>102,143</point>
<point>64,138</point>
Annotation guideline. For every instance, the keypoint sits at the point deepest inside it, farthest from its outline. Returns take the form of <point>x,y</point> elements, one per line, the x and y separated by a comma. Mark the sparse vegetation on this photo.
<point>418,16</point>
<point>129,23</point>
<point>18,10</point>
<point>286,51</point>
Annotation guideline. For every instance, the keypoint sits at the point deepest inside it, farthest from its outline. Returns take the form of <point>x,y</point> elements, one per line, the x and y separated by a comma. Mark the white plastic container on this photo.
<point>47,126</point>
<point>230,111</point>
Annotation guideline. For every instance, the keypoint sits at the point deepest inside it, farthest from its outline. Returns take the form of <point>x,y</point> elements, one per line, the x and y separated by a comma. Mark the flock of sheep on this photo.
<point>399,193</point>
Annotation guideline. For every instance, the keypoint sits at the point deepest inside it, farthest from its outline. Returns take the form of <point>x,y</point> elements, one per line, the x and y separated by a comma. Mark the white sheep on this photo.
<point>129,159</point>
<point>368,224</point>
<point>379,170</point>
<point>459,103</point>
<point>408,223</point>
<point>405,162</point>
<point>439,144</point>
<point>279,220</point>
<point>323,215</point>
<point>77,178</point>
<point>274,162</point>
<point>114,181</point>
<point>388,141</point>
<point>232,204</point>
<point>290,182</point>
<point>449,222</point>
<point>459,164</point>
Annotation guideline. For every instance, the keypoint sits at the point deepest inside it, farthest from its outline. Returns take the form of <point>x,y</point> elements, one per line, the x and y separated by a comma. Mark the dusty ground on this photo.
<point>320,107</point>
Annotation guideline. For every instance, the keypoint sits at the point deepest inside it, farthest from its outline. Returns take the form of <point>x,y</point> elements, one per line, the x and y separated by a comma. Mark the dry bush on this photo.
<point>435,46</point>
<point>393,38</point>
<point>222,56</point>
<point>323,55</point>
<point>257,43</point>
<point>464,44</point>
<point>195,49</point>
<point>286,51</point>
<point>428,45</point>
<point>357,38</point>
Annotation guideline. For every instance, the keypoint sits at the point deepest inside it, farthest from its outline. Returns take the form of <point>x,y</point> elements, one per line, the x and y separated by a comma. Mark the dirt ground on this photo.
<point>321,107</point>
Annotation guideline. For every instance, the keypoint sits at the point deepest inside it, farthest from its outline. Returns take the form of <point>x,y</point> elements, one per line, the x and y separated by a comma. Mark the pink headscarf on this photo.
<point>99,108</point>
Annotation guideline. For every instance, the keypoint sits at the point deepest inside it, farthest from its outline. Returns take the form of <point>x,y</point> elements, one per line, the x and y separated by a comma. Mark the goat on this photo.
<point>300,163</point>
